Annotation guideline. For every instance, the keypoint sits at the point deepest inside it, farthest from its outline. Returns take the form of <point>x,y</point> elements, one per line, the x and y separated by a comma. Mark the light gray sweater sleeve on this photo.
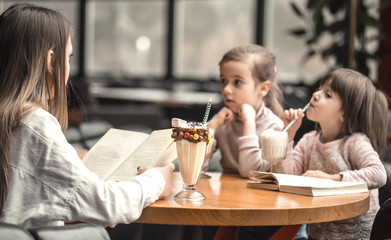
<point>50,185</point>
<point>250,149</point>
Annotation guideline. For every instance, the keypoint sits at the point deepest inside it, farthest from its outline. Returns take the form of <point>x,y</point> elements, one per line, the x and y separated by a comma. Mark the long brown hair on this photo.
<point>365,107</point>
<point>27,33</point>
<point>264,69</point>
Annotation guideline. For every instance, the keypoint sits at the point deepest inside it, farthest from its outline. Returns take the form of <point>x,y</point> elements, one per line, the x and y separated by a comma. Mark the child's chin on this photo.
<point>234,109</point>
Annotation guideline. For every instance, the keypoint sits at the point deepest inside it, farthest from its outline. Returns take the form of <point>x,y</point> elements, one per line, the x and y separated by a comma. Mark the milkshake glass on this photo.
<point>274,146</point>
<point>191,141</point>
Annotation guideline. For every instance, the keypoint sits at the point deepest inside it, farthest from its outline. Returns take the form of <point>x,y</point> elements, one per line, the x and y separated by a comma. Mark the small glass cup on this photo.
<point>274,146</point>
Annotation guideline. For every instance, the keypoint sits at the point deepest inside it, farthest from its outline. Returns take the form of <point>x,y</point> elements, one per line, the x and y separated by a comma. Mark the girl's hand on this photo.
<point>321,174</point>
<point>290,115</point>
<point>224,116</point>
<point>246,114</point>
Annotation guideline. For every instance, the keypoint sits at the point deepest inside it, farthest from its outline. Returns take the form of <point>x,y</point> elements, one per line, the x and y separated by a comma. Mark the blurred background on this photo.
<point>138,63</point>
<point>135,55</point>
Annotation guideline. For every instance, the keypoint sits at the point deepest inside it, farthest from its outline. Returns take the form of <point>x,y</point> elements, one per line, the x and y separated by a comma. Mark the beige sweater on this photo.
<point>241,154</point>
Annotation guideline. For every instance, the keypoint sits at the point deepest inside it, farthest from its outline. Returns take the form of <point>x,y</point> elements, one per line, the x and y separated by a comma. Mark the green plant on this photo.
<point>333,18</point>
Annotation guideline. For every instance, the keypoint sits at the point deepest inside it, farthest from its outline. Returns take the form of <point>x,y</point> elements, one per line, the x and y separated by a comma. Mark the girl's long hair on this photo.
<point>264,69</point>
<point>365,107</point>
<point>27,33</point>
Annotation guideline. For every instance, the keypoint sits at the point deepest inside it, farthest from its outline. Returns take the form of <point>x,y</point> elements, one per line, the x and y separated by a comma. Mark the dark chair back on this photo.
<point>381,228</point>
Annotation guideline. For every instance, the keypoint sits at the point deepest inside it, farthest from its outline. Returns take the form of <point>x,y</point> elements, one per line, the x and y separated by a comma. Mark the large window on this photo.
<point>126,38</point>
<point>169,40</point>
<point>205,30</point>
<point>280,19</point>
<point>289,50</point>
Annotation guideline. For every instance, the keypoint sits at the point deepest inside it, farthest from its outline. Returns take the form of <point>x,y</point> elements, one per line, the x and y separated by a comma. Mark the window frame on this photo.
<point>170,18</point>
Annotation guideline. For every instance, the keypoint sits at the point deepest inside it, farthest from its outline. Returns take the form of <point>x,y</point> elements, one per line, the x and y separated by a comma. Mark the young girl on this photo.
<point>43,182</point>
<point>252,100</point>
<point>351,122</point>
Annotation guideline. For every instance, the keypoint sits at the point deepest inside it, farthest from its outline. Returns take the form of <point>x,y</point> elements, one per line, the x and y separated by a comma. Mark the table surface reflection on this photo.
<point>230,203</point>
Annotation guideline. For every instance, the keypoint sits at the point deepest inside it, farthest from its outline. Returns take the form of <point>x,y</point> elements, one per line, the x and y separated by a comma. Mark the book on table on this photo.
<point>118,154</point>
<point>310,186</point>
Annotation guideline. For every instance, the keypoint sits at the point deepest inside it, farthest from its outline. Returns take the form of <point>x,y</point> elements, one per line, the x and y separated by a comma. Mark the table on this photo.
<point>230,203</point>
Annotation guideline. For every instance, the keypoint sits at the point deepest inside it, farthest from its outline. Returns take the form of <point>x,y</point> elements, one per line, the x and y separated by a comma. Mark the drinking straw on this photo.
<point>294,120</point>
<point>207,111</point>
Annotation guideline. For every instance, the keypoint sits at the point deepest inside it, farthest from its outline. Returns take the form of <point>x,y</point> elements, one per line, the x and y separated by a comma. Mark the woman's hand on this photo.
<point>321,174</point>
<point>81,152</point>
<point>167,174</point>
<point>290,115</point>
<point>166,171</point>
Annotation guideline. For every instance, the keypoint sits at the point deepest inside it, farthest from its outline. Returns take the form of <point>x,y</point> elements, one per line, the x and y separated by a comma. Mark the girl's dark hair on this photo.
<point>264,69</point>
<point>27,34</point>
<point>365,107</point>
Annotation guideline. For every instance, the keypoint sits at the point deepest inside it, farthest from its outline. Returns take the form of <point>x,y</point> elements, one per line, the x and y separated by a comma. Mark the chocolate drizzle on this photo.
<point>193,132</point>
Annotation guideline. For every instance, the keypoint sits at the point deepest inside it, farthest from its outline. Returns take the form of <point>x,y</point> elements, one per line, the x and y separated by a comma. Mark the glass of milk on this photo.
<point>274,146</point>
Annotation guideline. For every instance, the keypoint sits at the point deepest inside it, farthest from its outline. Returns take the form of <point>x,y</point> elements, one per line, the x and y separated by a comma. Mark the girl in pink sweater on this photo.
<point>252,100</point>
<point>348,144</point>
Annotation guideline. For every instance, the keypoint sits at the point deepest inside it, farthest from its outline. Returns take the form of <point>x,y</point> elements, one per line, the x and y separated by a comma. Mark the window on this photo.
<point>205,30</point>
<point>289,50</point>
<point>126,38</point>
<point>279,19</point>
<point>185,39</point>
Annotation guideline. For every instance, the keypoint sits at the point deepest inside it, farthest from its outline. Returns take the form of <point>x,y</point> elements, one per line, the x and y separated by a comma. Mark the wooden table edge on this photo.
<point>250,217</point>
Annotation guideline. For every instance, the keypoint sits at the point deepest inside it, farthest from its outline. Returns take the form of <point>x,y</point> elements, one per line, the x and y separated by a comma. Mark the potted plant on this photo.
<point>346,24</point>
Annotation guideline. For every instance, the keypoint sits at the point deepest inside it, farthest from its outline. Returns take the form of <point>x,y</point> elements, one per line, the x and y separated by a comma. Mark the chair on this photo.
<point>231,233</point>
<point>11,232</point>
<point>381,226</point>
<point>75,231</point>
<point>385,191</point>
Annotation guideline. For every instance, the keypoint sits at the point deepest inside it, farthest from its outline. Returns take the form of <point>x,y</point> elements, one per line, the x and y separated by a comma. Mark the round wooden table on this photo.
<point>230,203</point>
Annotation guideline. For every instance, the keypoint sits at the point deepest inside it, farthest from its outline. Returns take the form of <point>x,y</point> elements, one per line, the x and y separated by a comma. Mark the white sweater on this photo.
<point>49,184</point>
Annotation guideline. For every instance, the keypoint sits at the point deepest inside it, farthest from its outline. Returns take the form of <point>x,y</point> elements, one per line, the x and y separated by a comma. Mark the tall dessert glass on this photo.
<point>274,146</point>
<point>191,141</point>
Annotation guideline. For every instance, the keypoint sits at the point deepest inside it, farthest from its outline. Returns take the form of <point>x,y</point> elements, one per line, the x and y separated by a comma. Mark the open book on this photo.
<point>118,153</point>
<point>297,184</point>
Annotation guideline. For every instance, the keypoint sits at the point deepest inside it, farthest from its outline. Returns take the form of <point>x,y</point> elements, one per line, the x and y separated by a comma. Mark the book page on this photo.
<point>262,185</point>
<point>147,154</point>
<point>111,150</point>
<point>292,180</point>
<point>313,182</point>
<point>262,180</point>
<point>311,186</point>
<point>338,188</point>
<point>263,177</point>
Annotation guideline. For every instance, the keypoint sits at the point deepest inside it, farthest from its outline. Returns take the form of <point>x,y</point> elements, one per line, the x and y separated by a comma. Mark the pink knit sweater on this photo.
<point>355,159</point>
